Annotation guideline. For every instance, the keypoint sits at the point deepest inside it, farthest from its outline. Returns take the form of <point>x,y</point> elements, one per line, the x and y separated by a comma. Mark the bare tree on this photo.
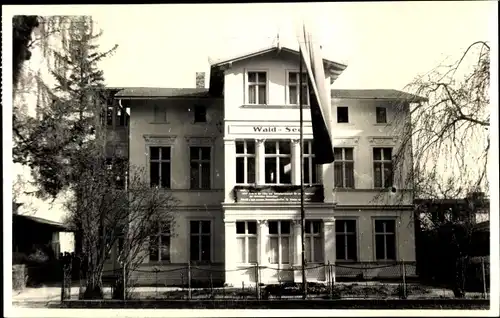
<point>111,215</point>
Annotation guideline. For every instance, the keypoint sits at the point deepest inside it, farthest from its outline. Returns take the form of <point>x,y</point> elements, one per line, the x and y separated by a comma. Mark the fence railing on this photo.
<point>324,281</point>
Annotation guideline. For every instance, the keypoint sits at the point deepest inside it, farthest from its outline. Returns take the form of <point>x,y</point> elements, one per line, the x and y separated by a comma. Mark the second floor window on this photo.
<point>257,88</point>
<point>310,167</point>
<point>381,115</point>
<point>200,167</point>
<point>343,167</point>
<point>159,166</point>
<point>382,167</point>
<point>200,114</point>
<point>277,164</point>
<point>294,88</point>
<point>245,162</point>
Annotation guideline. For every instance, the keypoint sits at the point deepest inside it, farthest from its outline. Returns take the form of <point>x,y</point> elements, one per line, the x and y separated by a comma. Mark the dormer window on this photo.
<point>257,88</point>
<point>294,90</point>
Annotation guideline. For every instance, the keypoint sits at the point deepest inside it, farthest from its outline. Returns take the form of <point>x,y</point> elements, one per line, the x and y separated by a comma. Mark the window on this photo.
<point>200,167</point>
<point>277,162</point>
<point>342,115</point>
<point>109,115</point>
<point>159,244</point>
<point>279,237</point>
<point>310,167</point>
<point>200,241</point>
<point>381,115</point>
<point>246,238</point>
<point>382,166</point>
<point>160,114</point>
<point>257,88</point>
<point>200,114</point>
<point>245,162</point>
<point>314,242</point>
<point>345,238</point>
<point>159,167</point>
<point>385,239</point>
<point>343,167</point>
<point>294,91</point>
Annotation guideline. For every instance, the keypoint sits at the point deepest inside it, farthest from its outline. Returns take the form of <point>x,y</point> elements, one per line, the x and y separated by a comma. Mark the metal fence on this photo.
<point>324,281</point>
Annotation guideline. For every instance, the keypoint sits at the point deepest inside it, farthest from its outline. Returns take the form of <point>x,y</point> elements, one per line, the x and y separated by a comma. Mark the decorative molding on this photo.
<point>259,141</point>
<point>160,139</point>
<point>296,141</point>
<point>200,141</point>
<point>383,141</point>
<point>297,222</point>
<point>329,221</point>
<point>263,222</point>
<point>349,141</point>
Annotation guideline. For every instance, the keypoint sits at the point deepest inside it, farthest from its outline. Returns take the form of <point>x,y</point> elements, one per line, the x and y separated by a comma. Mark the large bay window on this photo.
<point>278,163</point>
<point>245,162</point>
<point>246,238</point>
<point>279,239</point>
<point>314,242</point>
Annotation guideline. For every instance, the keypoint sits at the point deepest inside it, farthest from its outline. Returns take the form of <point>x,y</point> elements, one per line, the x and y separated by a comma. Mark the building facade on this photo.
<point>231,154</point>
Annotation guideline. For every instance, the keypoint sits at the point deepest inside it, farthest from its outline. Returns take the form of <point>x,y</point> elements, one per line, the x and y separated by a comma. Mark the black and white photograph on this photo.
<point>314,158</point>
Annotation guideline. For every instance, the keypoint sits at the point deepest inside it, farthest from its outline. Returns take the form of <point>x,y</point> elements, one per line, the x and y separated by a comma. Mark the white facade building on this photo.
<point>231,154</point>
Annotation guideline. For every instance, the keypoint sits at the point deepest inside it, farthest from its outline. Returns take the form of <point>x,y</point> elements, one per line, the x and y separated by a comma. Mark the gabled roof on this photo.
<point>276,49</point>
<point>162,92</point>
<point>387,94</point>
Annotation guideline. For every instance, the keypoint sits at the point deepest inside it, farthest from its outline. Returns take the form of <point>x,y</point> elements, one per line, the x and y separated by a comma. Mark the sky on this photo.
<point>384,44</point>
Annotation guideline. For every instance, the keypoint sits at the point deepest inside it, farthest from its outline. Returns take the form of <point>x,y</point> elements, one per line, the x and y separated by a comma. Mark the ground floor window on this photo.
<point>200,241</point>
<point>314,242</point>
<point>345,237</point>
<point>279,239</point>
<point>385,239</point>
<point>159,244</point>
<point>246,238</point>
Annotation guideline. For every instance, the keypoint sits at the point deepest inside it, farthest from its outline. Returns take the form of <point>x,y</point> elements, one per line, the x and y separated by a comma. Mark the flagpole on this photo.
<point>302,211</point>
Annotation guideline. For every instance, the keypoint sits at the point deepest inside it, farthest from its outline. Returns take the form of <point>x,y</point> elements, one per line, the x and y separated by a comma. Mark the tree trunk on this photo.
<point>93,289</point>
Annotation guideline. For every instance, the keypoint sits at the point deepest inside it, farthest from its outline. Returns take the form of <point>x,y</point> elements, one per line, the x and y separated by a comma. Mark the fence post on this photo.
<point>63,286</point>
<point>403,270</point>
<point>257,285</point>
<point>189,280</point>
<point>484,277</point>
<point>330,280</point>
<point>124,283</point>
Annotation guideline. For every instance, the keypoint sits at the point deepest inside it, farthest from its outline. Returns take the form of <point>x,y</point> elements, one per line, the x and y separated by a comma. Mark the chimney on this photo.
<point>200,79</point>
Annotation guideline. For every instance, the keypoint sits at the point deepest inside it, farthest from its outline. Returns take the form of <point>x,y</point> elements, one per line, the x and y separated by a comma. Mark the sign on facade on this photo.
<point>268,130</point>
<point>311,194</point>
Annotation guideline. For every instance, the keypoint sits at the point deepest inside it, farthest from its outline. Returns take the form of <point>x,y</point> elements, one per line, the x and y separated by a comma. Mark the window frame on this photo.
<point>311,236</point>
<point>385,234</point>
<point>345,233</point>
<point>257,83</point>
<point>195,109</point>
<point>200,161</point>
<point>279,236</point>
<point>382,161</point>
<point>245,155</point>
<point>158,109</point>
<point>160,235</point>
<point>160,161</point>
<point>343,122</point>
<point>344,169</point>
<point>200,236</point>
<point>377,115</point>
<point>246,236</point>
<point>312,168</point>
<point>305,85</point>
<point>278,156</point>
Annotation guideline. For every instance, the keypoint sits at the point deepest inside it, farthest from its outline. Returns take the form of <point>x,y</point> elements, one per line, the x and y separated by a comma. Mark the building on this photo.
<point>231,154</point>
